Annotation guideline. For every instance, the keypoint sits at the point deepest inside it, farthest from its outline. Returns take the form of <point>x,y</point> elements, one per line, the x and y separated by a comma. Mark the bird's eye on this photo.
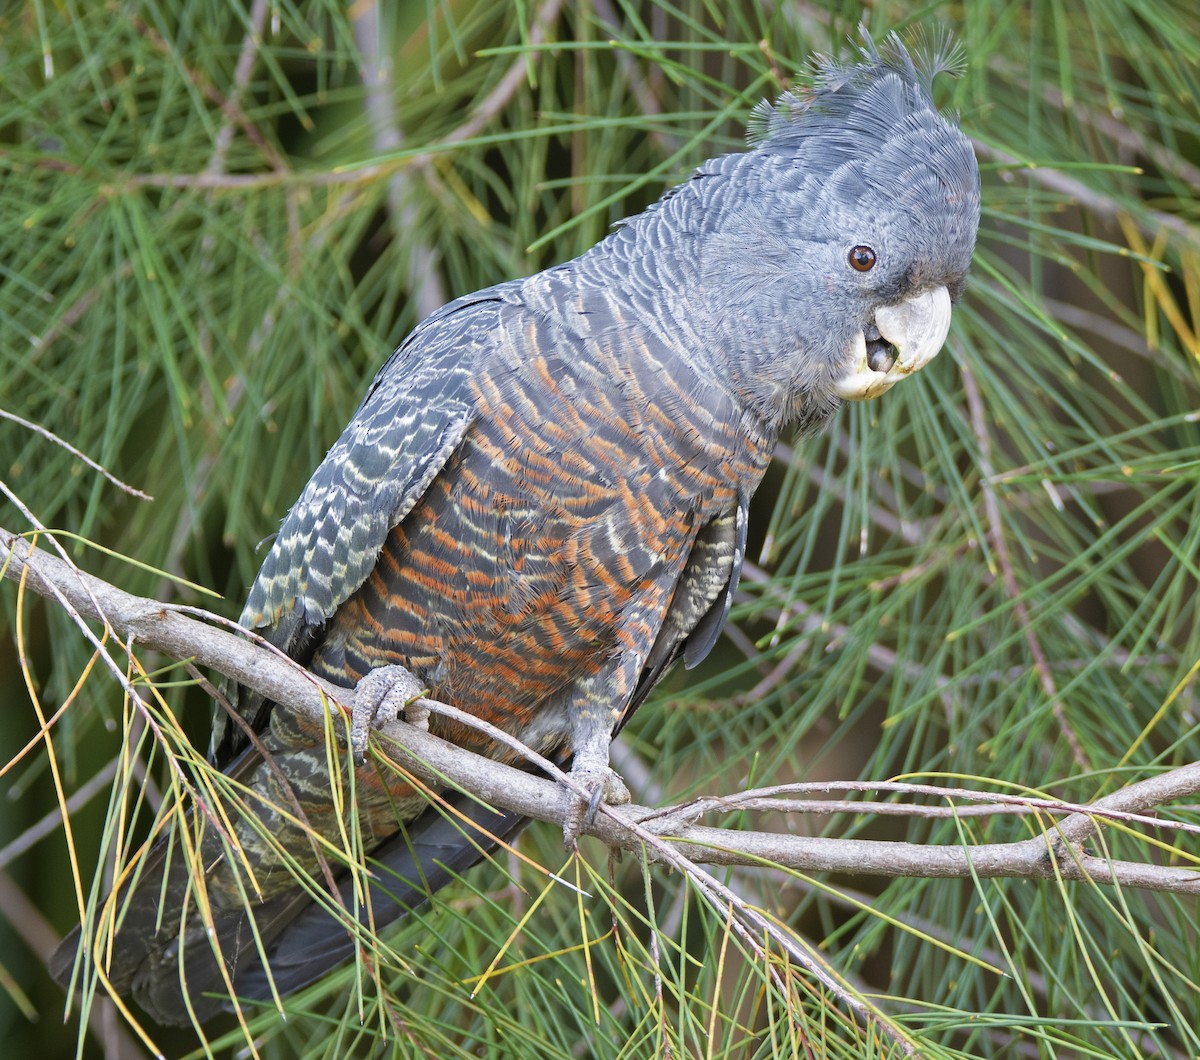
<point>862,258</point>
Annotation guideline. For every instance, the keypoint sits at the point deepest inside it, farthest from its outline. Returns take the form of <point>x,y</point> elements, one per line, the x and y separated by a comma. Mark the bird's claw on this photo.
<point>605,786</point>
<point>384,693</point>
<point>593,805</point>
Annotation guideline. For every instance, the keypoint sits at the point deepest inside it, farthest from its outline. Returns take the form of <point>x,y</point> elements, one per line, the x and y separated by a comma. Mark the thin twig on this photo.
<point>229,105</point>
<point>51,822</point>
<point>1008,572</point>
<point>813,623</point>
<point>910,533</point>
<point>424,282</point>
<point>778,797</point>
<point>1124,135</point>
<point>1149,221</point>
<point>496,100</point>
<point>52,437</point>
<point>639,84</point>
<point>492,105</point>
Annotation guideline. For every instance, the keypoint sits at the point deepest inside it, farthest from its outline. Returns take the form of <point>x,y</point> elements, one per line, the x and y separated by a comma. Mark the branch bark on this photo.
<point>1058,852</point>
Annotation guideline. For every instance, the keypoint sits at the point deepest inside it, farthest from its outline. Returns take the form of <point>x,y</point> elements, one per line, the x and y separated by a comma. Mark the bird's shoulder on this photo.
<point>413,416</point>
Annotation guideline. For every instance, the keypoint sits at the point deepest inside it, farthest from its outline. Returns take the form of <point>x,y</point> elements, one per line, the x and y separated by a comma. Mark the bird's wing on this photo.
<point>413,418</point>
<point>700,606</point>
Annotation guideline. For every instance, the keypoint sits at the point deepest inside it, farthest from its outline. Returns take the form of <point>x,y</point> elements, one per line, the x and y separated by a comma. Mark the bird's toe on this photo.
<point>603,786</point>
<point>384,693</point>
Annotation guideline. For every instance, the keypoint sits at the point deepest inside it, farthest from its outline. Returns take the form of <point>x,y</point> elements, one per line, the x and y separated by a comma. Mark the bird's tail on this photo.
<point>432,850</point>
<point>179,976</point>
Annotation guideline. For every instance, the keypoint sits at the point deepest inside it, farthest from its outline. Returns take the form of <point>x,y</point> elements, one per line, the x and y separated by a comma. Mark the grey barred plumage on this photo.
<point>542,502</point>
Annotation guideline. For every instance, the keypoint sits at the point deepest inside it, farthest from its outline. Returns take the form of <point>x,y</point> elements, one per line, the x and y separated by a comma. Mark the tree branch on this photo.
<point>1055,853</point>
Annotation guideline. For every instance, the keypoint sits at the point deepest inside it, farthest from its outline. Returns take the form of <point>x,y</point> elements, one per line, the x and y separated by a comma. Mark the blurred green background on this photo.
<point>216,221</point>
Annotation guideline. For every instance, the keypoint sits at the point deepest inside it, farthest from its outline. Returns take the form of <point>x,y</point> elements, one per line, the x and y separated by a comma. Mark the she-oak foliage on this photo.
<point>216,223</point>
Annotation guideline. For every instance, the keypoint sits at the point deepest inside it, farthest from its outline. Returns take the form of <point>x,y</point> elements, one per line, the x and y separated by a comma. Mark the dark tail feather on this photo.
<point>302,940</point>
<point>434,849</point>
<point>143,959</point>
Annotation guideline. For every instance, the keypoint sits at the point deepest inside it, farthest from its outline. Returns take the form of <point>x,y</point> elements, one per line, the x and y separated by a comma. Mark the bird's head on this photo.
<point>836,247</point>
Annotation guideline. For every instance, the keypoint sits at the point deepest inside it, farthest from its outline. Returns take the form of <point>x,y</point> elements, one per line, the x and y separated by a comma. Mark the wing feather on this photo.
<point>703,598</point>
<point>408,426</point>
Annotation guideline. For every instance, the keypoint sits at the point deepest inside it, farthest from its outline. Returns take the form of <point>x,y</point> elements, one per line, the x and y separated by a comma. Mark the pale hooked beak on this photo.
<point>916,328</point>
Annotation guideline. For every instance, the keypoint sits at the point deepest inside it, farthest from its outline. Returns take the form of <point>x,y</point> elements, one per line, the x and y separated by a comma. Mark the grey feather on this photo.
<point>703,636</point>
<point>664,362</point>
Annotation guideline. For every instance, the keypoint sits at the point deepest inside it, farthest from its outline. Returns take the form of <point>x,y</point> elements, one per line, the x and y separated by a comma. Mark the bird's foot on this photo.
<point>385,693</point>
<point>604,785</point>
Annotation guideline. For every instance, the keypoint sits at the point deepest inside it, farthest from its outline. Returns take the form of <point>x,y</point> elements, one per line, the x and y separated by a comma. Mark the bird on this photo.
<point>541,506</point>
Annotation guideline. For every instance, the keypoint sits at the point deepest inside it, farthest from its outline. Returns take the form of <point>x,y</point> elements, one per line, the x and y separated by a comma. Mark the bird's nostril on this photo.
<point>881,354</point>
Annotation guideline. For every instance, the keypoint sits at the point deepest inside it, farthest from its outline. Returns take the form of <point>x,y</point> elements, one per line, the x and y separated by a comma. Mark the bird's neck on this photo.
<point>706,269</point>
